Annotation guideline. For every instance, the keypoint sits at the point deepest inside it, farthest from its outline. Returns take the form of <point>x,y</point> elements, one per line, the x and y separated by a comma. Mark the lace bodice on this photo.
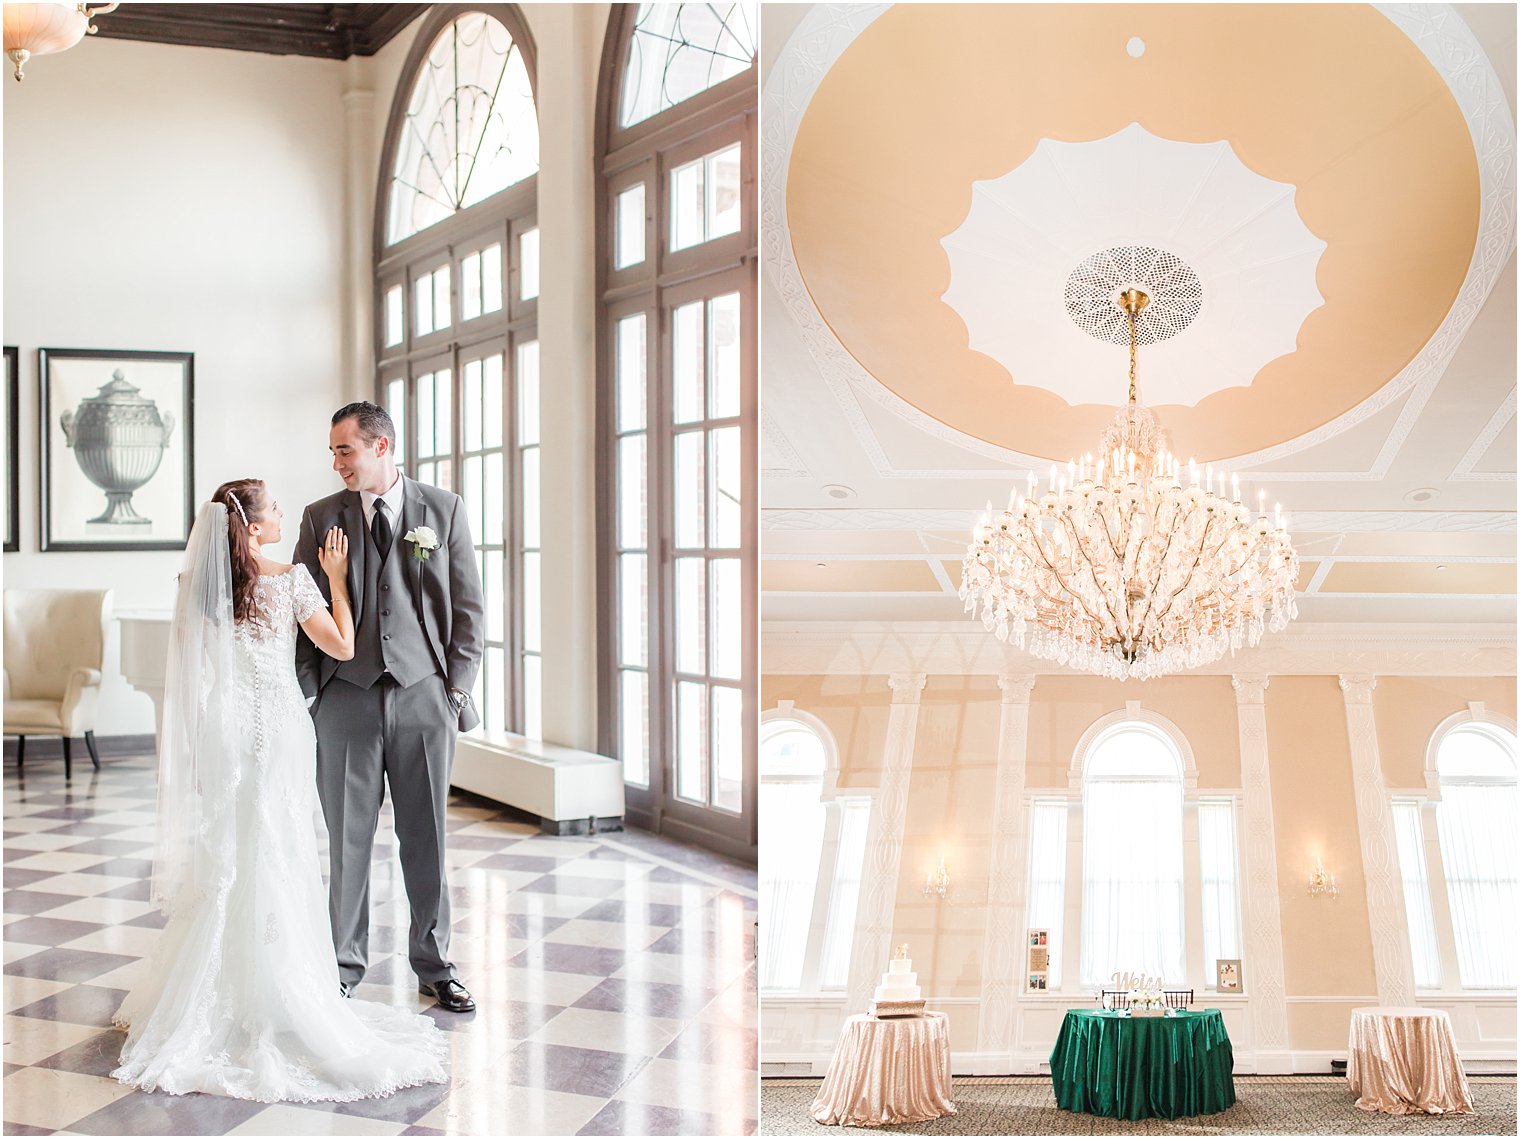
<point>283,601</point>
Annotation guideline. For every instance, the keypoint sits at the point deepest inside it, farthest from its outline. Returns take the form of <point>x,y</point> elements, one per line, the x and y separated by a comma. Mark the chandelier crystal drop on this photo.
<point>1131,565</point>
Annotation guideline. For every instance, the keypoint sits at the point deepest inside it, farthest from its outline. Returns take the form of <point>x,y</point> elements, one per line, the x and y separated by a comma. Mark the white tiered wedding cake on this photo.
<point>899,993</point>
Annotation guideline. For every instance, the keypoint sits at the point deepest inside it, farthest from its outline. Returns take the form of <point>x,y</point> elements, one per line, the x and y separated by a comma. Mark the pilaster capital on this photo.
<point>906,686</point>
<point>1357,688</point>
<point>1250,689</point>
<point>1016,687</point>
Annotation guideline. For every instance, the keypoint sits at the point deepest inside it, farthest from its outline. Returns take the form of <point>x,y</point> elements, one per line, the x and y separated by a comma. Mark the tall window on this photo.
<point>1047,877</point>
<point>1132,875</point>
<point>456,315</point>
<point>1417,902</point>
<point>677,245</point>
<point>1219,877</point>
<point>815,852</point>
<point>1476,822</point>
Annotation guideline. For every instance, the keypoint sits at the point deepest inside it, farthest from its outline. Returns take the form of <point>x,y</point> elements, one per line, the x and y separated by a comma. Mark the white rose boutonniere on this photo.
<point>424,541</point>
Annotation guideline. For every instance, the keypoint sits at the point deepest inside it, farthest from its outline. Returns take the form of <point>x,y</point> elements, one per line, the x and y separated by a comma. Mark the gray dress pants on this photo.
<point>366,736</point>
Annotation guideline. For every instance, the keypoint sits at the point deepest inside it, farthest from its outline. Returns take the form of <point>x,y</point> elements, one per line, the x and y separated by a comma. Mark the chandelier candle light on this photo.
<point>1131,565</point>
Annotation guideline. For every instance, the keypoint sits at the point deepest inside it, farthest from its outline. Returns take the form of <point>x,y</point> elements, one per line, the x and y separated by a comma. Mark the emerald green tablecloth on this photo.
<point>1137,1067</point>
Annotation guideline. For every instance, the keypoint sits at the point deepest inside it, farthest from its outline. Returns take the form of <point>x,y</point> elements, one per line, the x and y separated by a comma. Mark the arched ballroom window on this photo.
<point>1476,823</point>
<point>1132,864</point>
<point>456,296</point>
<point>677,247</point>
<point>815,843</point>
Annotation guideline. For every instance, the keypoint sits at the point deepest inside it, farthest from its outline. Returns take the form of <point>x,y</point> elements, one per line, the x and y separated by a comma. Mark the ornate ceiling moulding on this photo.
<point>827,33</point>
<point>323,31</point>
<point>938,648</point>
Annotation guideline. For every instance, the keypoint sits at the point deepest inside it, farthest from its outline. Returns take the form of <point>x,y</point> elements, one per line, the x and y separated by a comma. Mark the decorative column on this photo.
<point>1267,1009</point>
<point>359,170</point>
<point>1380,853</point>
<point>1003,937</point>
<point>878,885</point>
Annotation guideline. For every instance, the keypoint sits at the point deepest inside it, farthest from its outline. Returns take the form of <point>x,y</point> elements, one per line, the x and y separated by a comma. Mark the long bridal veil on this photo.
<point>198,766</point>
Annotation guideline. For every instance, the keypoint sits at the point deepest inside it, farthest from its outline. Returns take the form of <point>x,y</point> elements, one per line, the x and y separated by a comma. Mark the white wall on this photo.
<point>181,199</point>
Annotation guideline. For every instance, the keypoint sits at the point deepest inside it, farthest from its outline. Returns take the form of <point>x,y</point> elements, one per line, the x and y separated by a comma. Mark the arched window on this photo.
<point>678,416</point>
<point>1132,869</point>
<point>456,293</point>
<point>814,855</point>
<point>1476,823</point>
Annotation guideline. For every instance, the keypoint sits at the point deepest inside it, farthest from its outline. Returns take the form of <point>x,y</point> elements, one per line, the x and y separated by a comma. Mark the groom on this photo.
<point>394,710</point>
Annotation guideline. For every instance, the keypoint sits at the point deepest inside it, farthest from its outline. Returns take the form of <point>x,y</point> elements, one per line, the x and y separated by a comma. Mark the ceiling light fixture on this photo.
<point>1131,566</point>
<point>47,28</point>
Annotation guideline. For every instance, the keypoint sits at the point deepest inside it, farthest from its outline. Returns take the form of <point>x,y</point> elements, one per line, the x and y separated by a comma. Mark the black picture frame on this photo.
<point>12,449</point>
<point>68,495</point>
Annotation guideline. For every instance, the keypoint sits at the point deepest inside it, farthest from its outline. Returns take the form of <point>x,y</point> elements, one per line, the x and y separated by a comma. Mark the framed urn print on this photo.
<point>10,431</point>
<point>117,449</point>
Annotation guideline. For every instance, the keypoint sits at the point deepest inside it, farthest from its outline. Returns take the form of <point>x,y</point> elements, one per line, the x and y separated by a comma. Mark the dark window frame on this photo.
<point>626,155</point>
<point>501,218</point>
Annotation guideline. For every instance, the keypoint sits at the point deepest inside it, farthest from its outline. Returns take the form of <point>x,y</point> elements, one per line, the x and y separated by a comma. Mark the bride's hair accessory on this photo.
<point>231,496</point>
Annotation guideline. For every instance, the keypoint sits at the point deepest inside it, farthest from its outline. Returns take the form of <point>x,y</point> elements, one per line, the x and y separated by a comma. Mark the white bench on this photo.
<point>571,791</point>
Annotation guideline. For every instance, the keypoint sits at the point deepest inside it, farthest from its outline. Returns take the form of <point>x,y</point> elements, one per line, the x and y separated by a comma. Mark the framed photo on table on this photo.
<point>1227,975</point>
<point>10,431</point>
<point>117,449</point>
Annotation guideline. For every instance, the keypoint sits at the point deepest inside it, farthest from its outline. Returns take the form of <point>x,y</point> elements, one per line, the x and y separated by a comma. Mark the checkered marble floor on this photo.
<point>615,977</point>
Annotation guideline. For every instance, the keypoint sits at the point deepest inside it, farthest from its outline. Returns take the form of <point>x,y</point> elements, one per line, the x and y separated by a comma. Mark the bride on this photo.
<point>241,995</point>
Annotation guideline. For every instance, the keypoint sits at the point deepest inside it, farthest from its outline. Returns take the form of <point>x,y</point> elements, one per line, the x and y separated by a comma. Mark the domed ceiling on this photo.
<point>1302,170</point>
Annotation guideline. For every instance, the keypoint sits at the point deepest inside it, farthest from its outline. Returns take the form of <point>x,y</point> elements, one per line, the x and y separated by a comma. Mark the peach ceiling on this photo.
<point>1334,100</point>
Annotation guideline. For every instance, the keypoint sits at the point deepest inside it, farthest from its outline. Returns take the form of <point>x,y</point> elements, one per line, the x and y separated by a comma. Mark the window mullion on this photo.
<point>1440,899</point>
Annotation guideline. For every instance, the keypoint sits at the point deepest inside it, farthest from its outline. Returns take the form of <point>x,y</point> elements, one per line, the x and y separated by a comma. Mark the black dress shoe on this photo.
<point>449,993</point>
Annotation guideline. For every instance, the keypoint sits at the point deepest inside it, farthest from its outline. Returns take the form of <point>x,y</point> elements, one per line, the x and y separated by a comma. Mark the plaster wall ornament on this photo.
<point>1262,916</point>
<point>828,30</point>
<point>883,860</point>
<point>1002,938</point>
<point>1389,924</point>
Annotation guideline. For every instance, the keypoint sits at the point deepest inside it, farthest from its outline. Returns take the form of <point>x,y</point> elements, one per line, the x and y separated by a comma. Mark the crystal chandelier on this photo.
<point>1131,566</point>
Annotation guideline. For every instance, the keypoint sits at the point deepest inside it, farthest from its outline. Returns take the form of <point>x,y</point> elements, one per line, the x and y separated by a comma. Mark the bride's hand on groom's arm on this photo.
<point>333,556</point>
<point>333,631</point>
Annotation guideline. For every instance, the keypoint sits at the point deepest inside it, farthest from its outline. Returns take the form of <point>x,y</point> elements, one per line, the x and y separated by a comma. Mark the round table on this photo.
<point>1404,1060</point>
<point>1133,1067</point>
<point>889,1070</point>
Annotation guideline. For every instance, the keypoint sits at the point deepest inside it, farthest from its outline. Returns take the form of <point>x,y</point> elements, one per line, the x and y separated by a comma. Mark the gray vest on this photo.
<point>390,637</point>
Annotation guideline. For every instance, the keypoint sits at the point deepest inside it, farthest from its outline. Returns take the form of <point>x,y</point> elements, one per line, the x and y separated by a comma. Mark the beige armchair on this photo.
<point>55,642</point>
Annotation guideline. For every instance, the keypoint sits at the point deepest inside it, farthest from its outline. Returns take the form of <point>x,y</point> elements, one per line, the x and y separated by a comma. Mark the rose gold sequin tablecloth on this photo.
<point>1404,1060</point>
<point>895,1070</point>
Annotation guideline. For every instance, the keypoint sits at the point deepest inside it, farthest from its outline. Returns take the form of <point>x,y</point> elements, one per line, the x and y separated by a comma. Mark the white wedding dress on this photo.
<point>240,996</point>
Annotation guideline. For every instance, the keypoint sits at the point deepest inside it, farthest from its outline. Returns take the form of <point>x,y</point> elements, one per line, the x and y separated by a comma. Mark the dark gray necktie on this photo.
<point>380,527</point>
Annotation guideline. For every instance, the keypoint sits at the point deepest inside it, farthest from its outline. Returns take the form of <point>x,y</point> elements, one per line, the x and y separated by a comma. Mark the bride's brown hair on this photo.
<point>245,500</point>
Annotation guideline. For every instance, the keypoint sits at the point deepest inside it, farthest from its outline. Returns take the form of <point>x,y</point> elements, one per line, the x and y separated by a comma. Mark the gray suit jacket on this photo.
<point>445,588</point>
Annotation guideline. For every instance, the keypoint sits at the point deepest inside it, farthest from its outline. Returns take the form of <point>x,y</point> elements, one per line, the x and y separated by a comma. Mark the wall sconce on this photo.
<point>1320,882</point>
<point>939,880</point>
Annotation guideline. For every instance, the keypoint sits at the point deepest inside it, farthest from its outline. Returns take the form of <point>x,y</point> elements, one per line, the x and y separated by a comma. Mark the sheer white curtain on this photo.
<point>844,897</point>
<point>1132,903</point>
<point>1477,826</point>
<point>1422,926</point>
<point>791,841</point>
<point>1219,863</point>
<point>1047,876</point>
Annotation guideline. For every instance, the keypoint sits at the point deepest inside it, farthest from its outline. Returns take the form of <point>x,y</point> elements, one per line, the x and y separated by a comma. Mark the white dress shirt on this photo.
<point>392,504</point>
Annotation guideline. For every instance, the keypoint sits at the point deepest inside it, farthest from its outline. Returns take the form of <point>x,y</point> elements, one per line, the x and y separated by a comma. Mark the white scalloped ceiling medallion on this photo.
<point>1222,248</point>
